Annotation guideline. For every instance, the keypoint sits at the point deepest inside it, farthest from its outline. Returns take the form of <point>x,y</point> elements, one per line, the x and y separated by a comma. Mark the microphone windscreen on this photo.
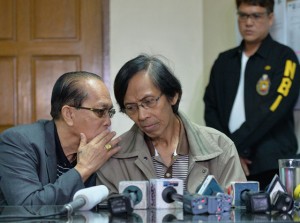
<point>92,196</point>
<point>141,192</point>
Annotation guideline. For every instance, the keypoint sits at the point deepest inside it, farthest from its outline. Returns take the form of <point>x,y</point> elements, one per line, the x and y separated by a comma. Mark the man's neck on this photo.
<point>167,144</point>
<point>251,48</point>
<point>68,142</point>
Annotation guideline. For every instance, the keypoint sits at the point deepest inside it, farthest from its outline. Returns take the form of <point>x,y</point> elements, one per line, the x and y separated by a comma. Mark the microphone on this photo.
<point>275,198</point>
<point>202,204</point>
<point>160,200</point>
<point>87,198</point>
<point>138,191</point>
<point>196,203</point>
<point>281,201</point>
<point>133,195</point>
<point>248,194</point>
<point>210,186</point>
<point>256,202</point>
<point>236,189</point>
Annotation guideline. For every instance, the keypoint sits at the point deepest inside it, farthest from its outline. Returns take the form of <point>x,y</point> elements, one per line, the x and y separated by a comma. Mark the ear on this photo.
<point>174,99</point>
<point>68,114</point>
<point>271,19</point>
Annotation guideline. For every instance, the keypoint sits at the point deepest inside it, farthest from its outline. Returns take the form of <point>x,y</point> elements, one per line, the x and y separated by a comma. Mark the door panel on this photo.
<point>7,91</point>
<point>55,19</point>
<point>39,41</point>
<point>47,70</point>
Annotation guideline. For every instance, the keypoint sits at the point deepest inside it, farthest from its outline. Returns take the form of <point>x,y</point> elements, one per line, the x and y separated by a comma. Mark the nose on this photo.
<point>107,121</point>
<point>142,113</point>
<point>249,20</point>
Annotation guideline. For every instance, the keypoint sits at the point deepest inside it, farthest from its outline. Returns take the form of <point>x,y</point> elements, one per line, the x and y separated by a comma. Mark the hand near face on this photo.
<point>92,155</point>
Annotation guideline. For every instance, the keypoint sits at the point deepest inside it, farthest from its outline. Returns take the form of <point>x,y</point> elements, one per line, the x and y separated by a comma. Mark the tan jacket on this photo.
<point>211,153</point>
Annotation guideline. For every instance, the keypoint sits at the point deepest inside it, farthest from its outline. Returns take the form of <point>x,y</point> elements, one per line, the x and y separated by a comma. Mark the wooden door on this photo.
<point>39,41</point>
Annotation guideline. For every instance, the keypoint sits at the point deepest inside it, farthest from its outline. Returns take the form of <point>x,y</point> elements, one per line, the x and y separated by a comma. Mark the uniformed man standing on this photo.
<point>252,92</point>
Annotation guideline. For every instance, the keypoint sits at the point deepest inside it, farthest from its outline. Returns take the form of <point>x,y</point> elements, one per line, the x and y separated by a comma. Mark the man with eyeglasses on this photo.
<point>252,92</point>
<point>46,162</point>
<point>163,142</point>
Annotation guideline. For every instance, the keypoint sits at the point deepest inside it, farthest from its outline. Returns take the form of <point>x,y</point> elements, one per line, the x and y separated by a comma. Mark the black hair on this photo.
<point>68,90</point>
<point>268,4</point>
<point>160,74</point>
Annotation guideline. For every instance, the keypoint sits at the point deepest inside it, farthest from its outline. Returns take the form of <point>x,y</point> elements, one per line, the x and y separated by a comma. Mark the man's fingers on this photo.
<point>82,140</point>
<point>104,136</point>
<point>112,144</point>
<point>114,150</point>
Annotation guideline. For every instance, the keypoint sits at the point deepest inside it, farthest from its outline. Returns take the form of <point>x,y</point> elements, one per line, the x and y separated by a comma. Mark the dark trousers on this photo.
<point>263,178</point>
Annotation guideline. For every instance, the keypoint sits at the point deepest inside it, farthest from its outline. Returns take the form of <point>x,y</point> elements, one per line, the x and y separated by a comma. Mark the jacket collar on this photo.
<point>262,51</point>
<point>49,138</point>
<point>50,150</point>
<point>199,139</point>
<point>195,140</point>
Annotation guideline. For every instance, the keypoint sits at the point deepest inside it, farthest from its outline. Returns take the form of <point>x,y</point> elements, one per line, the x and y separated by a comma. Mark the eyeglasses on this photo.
<point>255,17</point>
<point>146,103</point>
<point>99,112</point>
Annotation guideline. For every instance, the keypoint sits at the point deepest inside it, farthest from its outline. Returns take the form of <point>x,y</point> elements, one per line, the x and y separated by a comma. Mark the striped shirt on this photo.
<point>178,169</point>
<point>180,162</point>
<point>63,164</point>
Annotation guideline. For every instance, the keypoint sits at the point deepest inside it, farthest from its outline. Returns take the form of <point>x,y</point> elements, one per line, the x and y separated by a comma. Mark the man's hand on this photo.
<point>91,156</point>
<point>245,163</point>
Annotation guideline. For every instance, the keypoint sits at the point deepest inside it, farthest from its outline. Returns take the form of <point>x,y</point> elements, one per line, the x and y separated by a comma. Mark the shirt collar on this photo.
<point>182,147</point>
<point>264,48</point>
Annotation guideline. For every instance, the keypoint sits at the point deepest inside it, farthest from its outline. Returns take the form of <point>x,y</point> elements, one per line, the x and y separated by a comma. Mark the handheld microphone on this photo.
<point>87,198</point>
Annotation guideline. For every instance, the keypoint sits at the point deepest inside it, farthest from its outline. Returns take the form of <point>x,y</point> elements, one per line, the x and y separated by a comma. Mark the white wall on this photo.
<point>190,33</point>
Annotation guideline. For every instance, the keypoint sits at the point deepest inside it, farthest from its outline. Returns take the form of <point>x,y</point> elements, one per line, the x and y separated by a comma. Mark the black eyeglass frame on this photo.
<point>98,111</point>
<point>243,17</point>
<point>141,104</point>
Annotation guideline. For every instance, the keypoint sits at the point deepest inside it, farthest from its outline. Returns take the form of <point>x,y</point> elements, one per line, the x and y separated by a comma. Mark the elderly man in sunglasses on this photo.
<point>46,162</point>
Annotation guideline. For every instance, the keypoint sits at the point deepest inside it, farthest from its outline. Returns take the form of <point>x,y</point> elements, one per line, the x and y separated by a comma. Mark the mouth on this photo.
<point>149,127</point>
<point>248,32</point>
